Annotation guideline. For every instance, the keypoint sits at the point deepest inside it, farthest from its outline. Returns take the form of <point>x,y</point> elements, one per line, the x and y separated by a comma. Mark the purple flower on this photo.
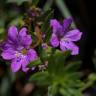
<point>64,38</point>
<point>17,49</point>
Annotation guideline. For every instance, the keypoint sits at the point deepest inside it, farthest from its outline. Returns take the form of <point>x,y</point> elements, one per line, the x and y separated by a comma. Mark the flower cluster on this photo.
<point>17,46</point>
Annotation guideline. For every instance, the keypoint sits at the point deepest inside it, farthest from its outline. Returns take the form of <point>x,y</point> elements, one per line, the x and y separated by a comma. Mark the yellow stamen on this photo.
<point>24,51</point>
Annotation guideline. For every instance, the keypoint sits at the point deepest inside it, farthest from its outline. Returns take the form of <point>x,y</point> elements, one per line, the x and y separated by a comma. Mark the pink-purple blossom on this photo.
<point>63,37</point>
<point>17,49</point>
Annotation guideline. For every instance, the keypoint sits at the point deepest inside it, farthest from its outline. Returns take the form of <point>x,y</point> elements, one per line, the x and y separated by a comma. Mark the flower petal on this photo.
<point>56,27</point>
<point>22,32</point>
<point>32,55</point>
<point>67,45</point>
<point>66,23</point>
<point>54,40</point>
<point>24,61</point>
<point>73,35</point>
<point>24,69</point>
<point>16,64</point>
<point>26,40</point>
<point>8,54</point>
<point>12,33</point>
<point>7,46</point>
<point>62,46</point>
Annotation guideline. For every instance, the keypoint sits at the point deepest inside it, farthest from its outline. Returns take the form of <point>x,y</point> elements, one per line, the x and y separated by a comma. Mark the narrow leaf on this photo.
<point>34,63</point>
<point>40,78</point>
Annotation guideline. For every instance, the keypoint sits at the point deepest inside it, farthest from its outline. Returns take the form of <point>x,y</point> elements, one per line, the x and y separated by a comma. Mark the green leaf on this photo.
<point>41,78</point>
<point>70,92</point>
<point>48,35</point>
<point>18,21</point>
<point>43,53</point>
<point>48,5</point>
<point>72,67</point>
<point>57,62</point>
<point>53,89</point>
<point>35,2</point>
<point>92,77</point>
<point>2,33</point>
<point>1,30</point>
<point>19,2</point>
<point>64,92</point>
<point>34,63</point>
<point>48,15</point>
<point>70,77</point>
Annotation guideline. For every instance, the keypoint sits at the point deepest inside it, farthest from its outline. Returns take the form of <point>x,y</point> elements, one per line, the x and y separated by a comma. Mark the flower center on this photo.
<point>24,51</point>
